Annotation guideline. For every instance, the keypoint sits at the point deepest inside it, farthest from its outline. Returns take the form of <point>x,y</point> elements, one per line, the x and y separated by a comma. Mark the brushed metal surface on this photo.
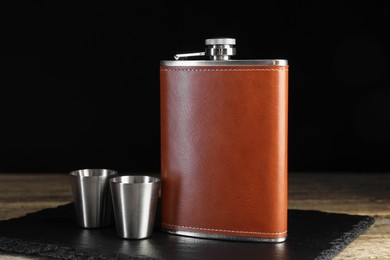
<point>91,197</point>
<point>135,203</point>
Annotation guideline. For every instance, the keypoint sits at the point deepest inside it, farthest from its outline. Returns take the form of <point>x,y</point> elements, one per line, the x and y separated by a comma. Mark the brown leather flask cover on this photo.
<point>224,151</point>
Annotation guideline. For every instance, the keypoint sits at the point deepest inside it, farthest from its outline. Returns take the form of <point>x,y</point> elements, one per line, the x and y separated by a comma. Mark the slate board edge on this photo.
<point>345,240</point>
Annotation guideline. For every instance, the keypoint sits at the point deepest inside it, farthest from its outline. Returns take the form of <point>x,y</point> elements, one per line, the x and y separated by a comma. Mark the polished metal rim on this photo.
<point>225,237</point>
<point>264,62</point>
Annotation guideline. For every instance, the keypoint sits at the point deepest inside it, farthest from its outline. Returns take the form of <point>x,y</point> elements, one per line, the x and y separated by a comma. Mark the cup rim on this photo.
<point>134,179</point>
<point>93,172</point>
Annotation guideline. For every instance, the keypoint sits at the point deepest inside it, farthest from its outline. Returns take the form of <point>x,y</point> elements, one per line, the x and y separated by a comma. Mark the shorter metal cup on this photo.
<point>135,201</point>
<point>91,197</point>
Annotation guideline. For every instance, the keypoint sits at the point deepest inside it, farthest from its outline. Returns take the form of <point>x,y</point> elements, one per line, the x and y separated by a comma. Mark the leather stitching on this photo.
<point>224,230</point>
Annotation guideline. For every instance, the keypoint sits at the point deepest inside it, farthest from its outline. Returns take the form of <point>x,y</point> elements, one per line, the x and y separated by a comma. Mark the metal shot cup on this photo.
<point>135,201</point>
<point>91,197</point>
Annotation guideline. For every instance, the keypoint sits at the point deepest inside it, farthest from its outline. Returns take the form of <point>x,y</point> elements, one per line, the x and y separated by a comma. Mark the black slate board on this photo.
<point>53,232</point>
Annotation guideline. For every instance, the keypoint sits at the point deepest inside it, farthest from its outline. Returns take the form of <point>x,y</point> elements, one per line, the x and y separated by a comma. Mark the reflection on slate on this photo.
<point>53,232</point>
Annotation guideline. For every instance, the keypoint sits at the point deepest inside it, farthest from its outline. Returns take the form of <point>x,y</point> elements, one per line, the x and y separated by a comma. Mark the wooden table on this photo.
<point>352,193</point>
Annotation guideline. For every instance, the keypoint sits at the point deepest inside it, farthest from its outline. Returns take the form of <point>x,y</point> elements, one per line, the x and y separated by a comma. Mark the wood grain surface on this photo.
<point>343,192</point>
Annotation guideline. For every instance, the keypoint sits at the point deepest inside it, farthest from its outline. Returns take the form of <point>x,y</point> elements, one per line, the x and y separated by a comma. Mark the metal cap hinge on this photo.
<point>216,49</point>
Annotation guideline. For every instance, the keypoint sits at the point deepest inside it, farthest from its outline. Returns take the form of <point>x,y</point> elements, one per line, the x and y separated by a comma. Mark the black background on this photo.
<point>79,82</point>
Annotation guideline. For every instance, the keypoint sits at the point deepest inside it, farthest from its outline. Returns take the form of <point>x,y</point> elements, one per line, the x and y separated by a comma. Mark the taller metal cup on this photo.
<point>91,197</point>
<point>135,202</point>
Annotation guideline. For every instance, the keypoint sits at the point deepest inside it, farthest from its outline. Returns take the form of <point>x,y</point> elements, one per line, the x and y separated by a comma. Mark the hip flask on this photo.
<point>224,125</point>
